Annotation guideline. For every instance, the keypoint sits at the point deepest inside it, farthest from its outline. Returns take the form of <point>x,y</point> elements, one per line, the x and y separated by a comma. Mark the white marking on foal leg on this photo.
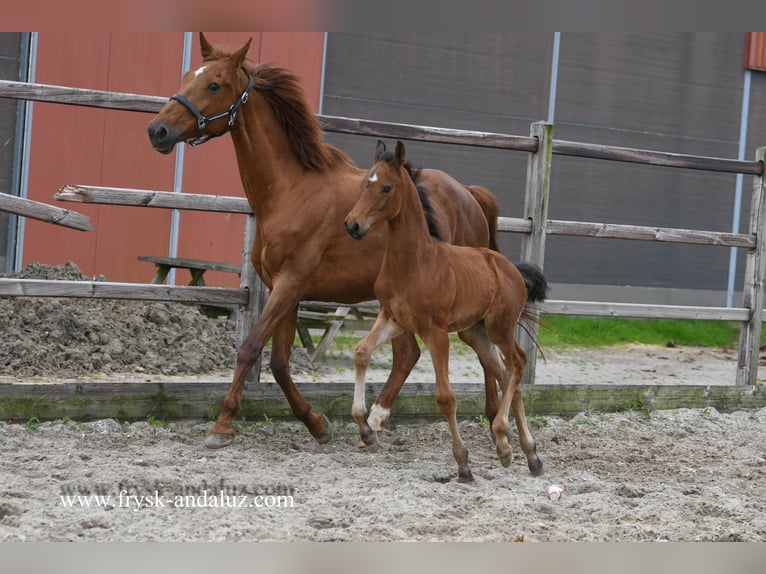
<point>198,71</point>
<point>378,415</point>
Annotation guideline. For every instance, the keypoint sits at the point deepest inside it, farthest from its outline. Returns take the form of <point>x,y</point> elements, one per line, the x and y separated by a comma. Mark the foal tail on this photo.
<point>537,285</point>
<point>491,208</point>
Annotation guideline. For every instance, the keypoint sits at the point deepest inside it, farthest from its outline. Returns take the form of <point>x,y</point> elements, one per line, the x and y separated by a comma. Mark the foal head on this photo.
<point>207,102</point>
<point>383,191</point>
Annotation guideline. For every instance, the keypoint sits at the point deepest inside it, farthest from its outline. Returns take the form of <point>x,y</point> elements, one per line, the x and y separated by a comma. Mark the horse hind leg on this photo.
<point>494,371</point>
<point>528,445</point>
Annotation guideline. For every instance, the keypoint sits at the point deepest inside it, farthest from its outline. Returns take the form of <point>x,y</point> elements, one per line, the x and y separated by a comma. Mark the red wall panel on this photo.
<point>755,51</point>
<point>110,148</point>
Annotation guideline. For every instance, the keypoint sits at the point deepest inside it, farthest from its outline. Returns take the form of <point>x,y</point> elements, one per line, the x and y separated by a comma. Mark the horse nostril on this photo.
<point>157,133</point>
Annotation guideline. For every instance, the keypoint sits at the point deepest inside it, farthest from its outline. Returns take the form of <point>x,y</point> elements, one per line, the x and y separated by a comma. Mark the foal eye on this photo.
<point>386,189</point>
<point>213,87</point>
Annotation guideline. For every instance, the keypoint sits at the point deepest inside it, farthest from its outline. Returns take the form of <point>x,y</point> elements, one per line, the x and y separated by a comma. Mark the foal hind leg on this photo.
<point>438,345</point>
<point>528,446</point>
<point>494,371</point>
<point>382,331</point>
<point>406,353</point>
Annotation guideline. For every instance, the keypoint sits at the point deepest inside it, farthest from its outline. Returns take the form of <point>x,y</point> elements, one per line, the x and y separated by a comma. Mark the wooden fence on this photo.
<point>138,400</point>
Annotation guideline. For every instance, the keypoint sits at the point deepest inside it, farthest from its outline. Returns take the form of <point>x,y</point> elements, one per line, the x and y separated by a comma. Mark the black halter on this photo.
<point>202,121</point>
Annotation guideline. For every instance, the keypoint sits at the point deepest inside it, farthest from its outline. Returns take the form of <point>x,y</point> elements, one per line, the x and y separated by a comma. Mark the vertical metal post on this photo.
<point>750,335</point>
<point>536,210</point>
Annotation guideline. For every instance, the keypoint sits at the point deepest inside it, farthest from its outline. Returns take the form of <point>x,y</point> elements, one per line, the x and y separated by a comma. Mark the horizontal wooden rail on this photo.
<point>636,310</point>
<point>635,232</point>
<point>44,212</point>
<point>152,104</point>
<point>144,198</point>
<point>667,159</point>
<point>10,287</point>
<point>80,97</point>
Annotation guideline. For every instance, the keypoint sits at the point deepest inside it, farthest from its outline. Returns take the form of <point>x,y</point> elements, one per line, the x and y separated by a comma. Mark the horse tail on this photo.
<point>537,285</point>
<point>491,208</point>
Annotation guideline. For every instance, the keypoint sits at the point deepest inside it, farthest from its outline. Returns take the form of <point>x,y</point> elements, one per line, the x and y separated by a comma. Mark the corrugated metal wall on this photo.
<point>672,92</point>
<point>110,148</point>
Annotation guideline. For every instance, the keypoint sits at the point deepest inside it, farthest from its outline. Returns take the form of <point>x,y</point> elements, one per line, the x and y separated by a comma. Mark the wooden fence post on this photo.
<point>247,315</point>
<point>750,334</point>
<point>536,210</point>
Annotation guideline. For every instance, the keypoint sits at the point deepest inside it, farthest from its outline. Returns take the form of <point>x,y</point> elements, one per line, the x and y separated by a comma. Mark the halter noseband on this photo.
<point>202,121</point>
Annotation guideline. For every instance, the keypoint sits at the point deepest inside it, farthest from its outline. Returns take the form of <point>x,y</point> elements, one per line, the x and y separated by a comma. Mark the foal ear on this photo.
<point>205,48</point>
<point>400,154</point>
<point>239,56</point>
<point>380,149</point>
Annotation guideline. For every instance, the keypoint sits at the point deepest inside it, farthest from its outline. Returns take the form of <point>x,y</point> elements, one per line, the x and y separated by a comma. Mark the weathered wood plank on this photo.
<point>80,97</point>
<point>177,400</point>
<point>10,287</point>
<point>147,198</point>
<point>44,212</point>
<point>643,233</point>
<point>601,309</point>
<point>427,133</point>
<point>648,157</point>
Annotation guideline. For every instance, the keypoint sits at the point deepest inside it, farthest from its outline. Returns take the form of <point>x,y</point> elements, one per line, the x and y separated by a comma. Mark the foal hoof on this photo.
<point>505,455</point>
<point>218,440</point>
<point>369,442</point>
<point>465,477</point>
<point>325,433</point>
<point>535,466</point>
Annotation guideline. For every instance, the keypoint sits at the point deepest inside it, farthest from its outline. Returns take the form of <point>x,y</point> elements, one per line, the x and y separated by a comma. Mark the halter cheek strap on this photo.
<point>202,121</point>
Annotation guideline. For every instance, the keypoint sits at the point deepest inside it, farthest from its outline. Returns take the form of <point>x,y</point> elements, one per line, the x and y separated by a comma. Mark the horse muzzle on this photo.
<point>356,230</point>
<point>162,138</point>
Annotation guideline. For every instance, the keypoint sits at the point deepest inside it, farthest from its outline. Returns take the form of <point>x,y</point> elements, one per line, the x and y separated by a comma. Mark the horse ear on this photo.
<point>400,154</point>
<point>239,56</point>
<point>380,149</point>
<point>206,49</point>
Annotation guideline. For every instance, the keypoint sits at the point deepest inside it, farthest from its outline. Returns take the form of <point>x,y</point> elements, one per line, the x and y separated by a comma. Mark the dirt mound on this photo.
<point>81,337</point>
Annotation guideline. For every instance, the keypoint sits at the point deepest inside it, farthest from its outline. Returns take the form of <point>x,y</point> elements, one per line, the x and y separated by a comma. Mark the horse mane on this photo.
<point>283,91</point>
<point>425,200</point>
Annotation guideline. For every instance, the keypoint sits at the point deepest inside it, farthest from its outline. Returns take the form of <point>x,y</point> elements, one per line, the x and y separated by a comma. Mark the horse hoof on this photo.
<point>324,435</point>
<point>535,467</point>
<point>505,455</point>
<point>218,440</point>
<point>370,442</point>
<point>465,477</point>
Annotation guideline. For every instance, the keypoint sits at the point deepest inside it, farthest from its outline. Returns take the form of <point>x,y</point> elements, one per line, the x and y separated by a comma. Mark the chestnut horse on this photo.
<point>300,189</point>
<point>429,287</point>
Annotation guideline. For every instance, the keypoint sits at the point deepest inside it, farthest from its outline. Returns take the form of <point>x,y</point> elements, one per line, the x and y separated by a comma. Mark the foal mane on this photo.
<point>283,91</point>
<point>425,200</point>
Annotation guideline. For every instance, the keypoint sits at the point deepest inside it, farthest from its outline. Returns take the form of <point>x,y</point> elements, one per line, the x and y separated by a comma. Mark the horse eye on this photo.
<point>213,87</point>
<point>386,189</point>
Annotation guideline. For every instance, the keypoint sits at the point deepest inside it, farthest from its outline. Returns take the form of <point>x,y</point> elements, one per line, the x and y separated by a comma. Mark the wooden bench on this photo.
<point>329,317</point>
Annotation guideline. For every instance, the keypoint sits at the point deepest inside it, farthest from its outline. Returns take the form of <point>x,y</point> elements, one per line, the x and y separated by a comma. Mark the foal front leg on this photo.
<point>438,344</point>
<point>382,331</point>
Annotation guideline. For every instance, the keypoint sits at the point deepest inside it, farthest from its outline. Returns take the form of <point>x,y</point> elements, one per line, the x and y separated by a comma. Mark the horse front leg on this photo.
<point>437,342</point>
<point>281,349</point>
<point>277,307</point>
<point>382,331</point>
<point>405,354</point>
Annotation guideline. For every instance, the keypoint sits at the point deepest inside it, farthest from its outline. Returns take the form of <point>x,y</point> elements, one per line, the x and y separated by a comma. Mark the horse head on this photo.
<point>380,198</point>
<point>208,101</point>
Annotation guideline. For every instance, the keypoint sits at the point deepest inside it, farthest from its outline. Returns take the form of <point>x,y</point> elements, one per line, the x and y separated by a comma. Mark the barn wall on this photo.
<point>671,92</point>
<point>110,148</point>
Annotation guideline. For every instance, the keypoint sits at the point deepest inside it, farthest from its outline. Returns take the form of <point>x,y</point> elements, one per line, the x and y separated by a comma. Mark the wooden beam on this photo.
<point>107,290</point>
<point>80,97</point>
<point>195,400</point>
<point>601,309</point>
<point>44,212</point>
<point>147,198</point>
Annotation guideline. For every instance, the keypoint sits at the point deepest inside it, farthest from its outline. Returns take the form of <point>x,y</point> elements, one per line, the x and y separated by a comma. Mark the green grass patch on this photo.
<point>562,330</point>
